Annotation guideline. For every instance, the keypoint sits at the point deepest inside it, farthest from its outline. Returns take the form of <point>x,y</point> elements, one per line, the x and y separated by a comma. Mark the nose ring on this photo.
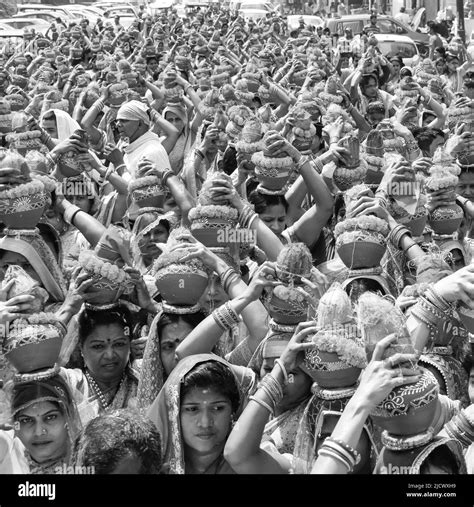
<point>44,431</point>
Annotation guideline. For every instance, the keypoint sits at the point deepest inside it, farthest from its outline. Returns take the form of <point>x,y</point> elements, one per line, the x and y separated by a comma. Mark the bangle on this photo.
<point>187,88</point>
<point>167,174</point>
<point>283,369</point>
<point>226,317</point>
<point>99,105</point>
<point>117,169</point>
<point>199,153</point>
<point>261,403</point>
<point>462,200</point>
<point>70,213</point>
<point>396,234</point>
<point>406,249</point>
<point>352,452</point>
<point>301,162</point>
<point>318,165</point>
<point>331,453</point>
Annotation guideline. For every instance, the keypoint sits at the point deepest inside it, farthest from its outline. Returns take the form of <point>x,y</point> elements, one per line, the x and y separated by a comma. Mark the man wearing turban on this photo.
<point>133,123</point>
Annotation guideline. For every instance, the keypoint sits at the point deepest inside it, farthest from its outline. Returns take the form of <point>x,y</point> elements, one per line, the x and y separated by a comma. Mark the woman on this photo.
<point>105,381</point>
<point>167,331</point>
<point>120,442</point>
<point>58,124</point>
<point>45,427</point>
<point>194,414</point>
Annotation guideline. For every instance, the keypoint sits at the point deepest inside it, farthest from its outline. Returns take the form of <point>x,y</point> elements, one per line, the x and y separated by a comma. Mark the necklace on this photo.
<point>98,391</point>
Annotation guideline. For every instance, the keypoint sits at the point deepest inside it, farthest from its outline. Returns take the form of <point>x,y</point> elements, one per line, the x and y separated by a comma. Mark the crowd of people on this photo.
<point>232,248</point>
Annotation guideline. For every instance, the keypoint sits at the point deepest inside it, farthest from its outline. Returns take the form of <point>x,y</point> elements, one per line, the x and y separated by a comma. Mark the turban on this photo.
<point>134,110</point>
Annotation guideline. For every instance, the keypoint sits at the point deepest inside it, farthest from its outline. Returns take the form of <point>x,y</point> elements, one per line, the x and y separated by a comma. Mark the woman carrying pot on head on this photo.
<point>105,380</point>
<point>46,425</point>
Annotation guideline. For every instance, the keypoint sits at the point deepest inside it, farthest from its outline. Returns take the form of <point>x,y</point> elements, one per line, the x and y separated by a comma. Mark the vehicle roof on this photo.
<point>352,17</point>
<point>21,18</point>
<point>14,32</point>
<point>393,37</point>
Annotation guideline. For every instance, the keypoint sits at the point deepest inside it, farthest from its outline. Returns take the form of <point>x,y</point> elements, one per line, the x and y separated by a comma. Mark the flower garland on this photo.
<point>329,340</point>
<point>48,181</point>
<point>213,211</point>
<point>175,257</point>
<point>259,159</point>
<point>146,181</point>
<point>367,223</point>
<point>90,262</point>
<point>441,180</point>
<point>23,190</point>
<point>23,136</point>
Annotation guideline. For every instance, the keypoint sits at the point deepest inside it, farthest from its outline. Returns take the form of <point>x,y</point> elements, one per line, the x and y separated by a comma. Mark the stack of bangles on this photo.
<point>412,146</point>
<point>382,197</point>
<point>461,428</point>
<point>229,276</point>
<point>270,391</point>
<point>226,317</point>
<point>167,174</point>
<point>341,452</point>
<point>52,160</point>
<point>247,216</point>
<point>397,233</point>
<point>428,312</point>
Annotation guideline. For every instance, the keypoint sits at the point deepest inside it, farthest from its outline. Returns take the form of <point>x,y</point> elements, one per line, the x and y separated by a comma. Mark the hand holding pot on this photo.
<point>458,287</point>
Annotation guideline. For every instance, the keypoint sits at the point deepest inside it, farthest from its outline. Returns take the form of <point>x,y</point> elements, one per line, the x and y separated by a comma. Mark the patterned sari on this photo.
<point>165,413</point>
<point>87,399</point>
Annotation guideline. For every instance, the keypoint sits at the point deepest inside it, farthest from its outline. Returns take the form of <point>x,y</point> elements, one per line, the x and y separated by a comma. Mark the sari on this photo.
<point>40,256</point>
<point>65,125</point>
<point>87,399</point>
<point>16,459</point>
<point>185,140</point>
<point>165,412</point>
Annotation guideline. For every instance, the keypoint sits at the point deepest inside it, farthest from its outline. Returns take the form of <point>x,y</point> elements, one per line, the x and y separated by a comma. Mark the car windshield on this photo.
<point>403,49</point>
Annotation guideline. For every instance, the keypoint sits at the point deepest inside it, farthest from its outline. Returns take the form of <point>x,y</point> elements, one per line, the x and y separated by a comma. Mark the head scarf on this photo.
<point>41,258</point>
<point>64,123</point>
<point>134,111</point>
<point>165,411</point>
<point>54,390</point>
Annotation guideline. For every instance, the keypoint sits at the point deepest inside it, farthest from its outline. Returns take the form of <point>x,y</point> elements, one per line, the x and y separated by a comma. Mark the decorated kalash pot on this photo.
<point>391,141</point>
<point>34,342</point>
<point>406,200</point>
<point>424,72</point>
<point>23,142</point>
<point>334,365</point>
<point>5,117</point>
<point>238,118</point>
<point>69,165</point>
<point>286,302</point>
<point>446,219</point>
<point>353,169</point>
<point>272,171</point>
<point>180,282</point>
<point>360,241</point>
<point>408,90</point>
<point>459,112</point>
<point>173,92</point>
<point>250,139</point>
<point>211,224</point>
<point>303,131</point>
<point>22,200</point>
<point>105,264</point>
<point>411,414</point>
<point>146,191</point>
<point>372,153</point>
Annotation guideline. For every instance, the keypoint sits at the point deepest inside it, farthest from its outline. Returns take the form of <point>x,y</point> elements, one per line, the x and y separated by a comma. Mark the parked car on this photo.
<point>391,45</point>
<point>10,40</point>
<point>251,9</point>
<point>40,25</point>
<point>387,25</point>
<point>294,21</point>
<point>35,10</point>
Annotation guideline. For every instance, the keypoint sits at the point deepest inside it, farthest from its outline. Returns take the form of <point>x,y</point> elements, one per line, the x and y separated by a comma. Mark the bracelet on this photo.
<point>432,295</point>
<point>199,153</point>
<point>270,385</point>
<point>247,216</point>
<point>326,451</point>
<point>187,88</point>
<point>406,249</point>
<point>353,452</point>
<point>167,174</point>
<point>301,162</point>
<point>225,277</point>
<point>397,233</point>
<point>120,167</point>
<point>261,403</point>
<point>462,200</point>
<point>99,105</point>
<point>226,317</point>
<point>107,174</point>
<point>51,159</point>
<point>70,213</point>
<point>283,369</point>
<point>318,165</point>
